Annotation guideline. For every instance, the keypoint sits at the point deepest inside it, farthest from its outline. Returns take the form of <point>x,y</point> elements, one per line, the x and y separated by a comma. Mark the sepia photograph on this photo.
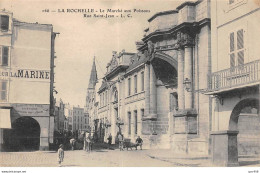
<point>129,83</point>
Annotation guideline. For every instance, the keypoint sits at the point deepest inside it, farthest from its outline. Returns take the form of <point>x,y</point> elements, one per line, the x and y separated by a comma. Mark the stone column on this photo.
<point>147,89</point>
<point>1,140</point>
<point>188,74</point>
<point>153,93</point>
<point>224,148</point>
<point>180,79</point>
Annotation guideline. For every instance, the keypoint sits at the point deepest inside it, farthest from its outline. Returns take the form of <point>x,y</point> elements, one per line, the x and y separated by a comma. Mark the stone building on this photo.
<point>234,81</point>
<point>76,119</point>
<point>27,77</point>
<point>157,92</point>
<point>59,116</point>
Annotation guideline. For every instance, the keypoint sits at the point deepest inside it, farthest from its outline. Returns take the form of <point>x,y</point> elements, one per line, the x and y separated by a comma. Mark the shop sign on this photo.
<point>25,74</point>
<point>31,109</point>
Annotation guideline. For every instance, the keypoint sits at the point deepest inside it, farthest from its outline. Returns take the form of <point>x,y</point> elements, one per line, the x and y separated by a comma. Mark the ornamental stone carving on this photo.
<point>184,39</point>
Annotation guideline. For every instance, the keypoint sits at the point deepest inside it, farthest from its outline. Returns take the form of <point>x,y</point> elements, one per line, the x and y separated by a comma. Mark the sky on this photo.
<point>82,38</point>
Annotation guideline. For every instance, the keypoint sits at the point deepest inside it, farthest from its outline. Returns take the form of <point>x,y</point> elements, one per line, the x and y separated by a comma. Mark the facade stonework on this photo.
<point>157,92</point>
<point>26,85</point>
<point>234,81</point>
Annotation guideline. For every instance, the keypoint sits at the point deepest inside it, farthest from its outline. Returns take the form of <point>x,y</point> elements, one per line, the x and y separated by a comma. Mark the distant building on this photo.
<point>27,77</point>
<point>234,81</point>
<point>59,116</point>
<point>76,119</point>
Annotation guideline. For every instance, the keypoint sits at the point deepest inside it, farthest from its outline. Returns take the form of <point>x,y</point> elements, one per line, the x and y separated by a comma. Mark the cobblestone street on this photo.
<point>104,158</point>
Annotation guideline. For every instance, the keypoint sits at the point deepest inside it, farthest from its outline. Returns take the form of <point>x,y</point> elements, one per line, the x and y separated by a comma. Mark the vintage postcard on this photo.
<point>133,83</point>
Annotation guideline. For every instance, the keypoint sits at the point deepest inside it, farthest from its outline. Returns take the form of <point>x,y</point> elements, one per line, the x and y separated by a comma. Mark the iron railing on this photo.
<point>234,77</point>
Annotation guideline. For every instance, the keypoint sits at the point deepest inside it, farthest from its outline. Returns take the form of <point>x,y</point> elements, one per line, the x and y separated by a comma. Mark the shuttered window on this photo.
<point>240,47</point>
<point>236,49</point>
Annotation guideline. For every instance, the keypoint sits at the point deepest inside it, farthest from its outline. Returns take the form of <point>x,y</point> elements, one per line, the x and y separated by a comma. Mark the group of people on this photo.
<point>88,144</point>
<point>138,141</point>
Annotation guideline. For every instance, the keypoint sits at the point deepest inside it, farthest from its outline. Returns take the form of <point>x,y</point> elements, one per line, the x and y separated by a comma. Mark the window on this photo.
<point>129,123</point>
<point>3,86</point>
<point>135,122</point>
<point>236,49</point>
<point>4,52</point>
<point>4,21</point>
<point>142,81</point>
<point>135,82</point>
<point>129,86</point>
<point>115,96</point>
<point>142,112</point>
<point>173,101</point>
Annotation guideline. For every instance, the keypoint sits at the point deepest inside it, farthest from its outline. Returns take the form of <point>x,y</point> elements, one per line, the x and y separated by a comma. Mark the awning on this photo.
<point>5,119</point>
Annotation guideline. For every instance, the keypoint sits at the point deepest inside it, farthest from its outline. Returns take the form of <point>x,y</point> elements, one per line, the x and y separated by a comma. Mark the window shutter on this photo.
<point>240,39</point>
<point>240,56</point>
<point>232,61</point>
<point>232,42</point>
<point>5,56</point>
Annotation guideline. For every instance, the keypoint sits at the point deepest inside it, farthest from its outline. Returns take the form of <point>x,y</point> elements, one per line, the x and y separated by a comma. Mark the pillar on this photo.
<point>224,148</point>
<point>147,89</point>
<point>180,79</point>
<point>1,140</point>
<point>188,74</point>
<point>153,93</point>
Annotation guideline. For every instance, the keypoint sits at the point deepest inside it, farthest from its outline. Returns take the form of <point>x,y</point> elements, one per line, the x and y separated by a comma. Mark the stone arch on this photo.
<point>233,122</point>
<point>167,58</point>
<point>165,68</point>
<point>24,135</point>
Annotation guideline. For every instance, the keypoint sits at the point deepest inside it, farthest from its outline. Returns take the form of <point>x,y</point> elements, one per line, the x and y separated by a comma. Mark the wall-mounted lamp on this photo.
<point>187,83</point>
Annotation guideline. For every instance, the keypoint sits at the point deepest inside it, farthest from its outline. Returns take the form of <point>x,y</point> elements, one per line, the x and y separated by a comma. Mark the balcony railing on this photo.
<point>235,77</point>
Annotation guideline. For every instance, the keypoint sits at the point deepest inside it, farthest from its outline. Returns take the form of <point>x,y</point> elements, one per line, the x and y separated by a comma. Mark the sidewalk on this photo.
<point>179,160</point>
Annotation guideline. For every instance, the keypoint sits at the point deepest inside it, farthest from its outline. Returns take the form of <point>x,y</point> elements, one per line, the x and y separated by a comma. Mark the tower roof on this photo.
<point>93,76</point>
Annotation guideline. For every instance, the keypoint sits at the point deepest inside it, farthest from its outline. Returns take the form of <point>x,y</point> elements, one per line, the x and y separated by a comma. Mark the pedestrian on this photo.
<point>121,142</point>
<point>72,143</point>
<point>139,142</point>
<point>60,154</point>
<point>88,140</point>
<point>109,140</point>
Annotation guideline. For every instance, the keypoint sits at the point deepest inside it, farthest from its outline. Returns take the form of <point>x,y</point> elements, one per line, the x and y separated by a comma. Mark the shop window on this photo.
<point>4,22</point>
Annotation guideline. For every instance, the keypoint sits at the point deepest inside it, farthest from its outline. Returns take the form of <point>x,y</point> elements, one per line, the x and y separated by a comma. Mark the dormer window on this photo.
<point>4,22</point>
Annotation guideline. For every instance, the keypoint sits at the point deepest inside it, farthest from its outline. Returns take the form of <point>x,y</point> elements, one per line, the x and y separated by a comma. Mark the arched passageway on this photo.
<point>24,135</point>
<point>245,119</point>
